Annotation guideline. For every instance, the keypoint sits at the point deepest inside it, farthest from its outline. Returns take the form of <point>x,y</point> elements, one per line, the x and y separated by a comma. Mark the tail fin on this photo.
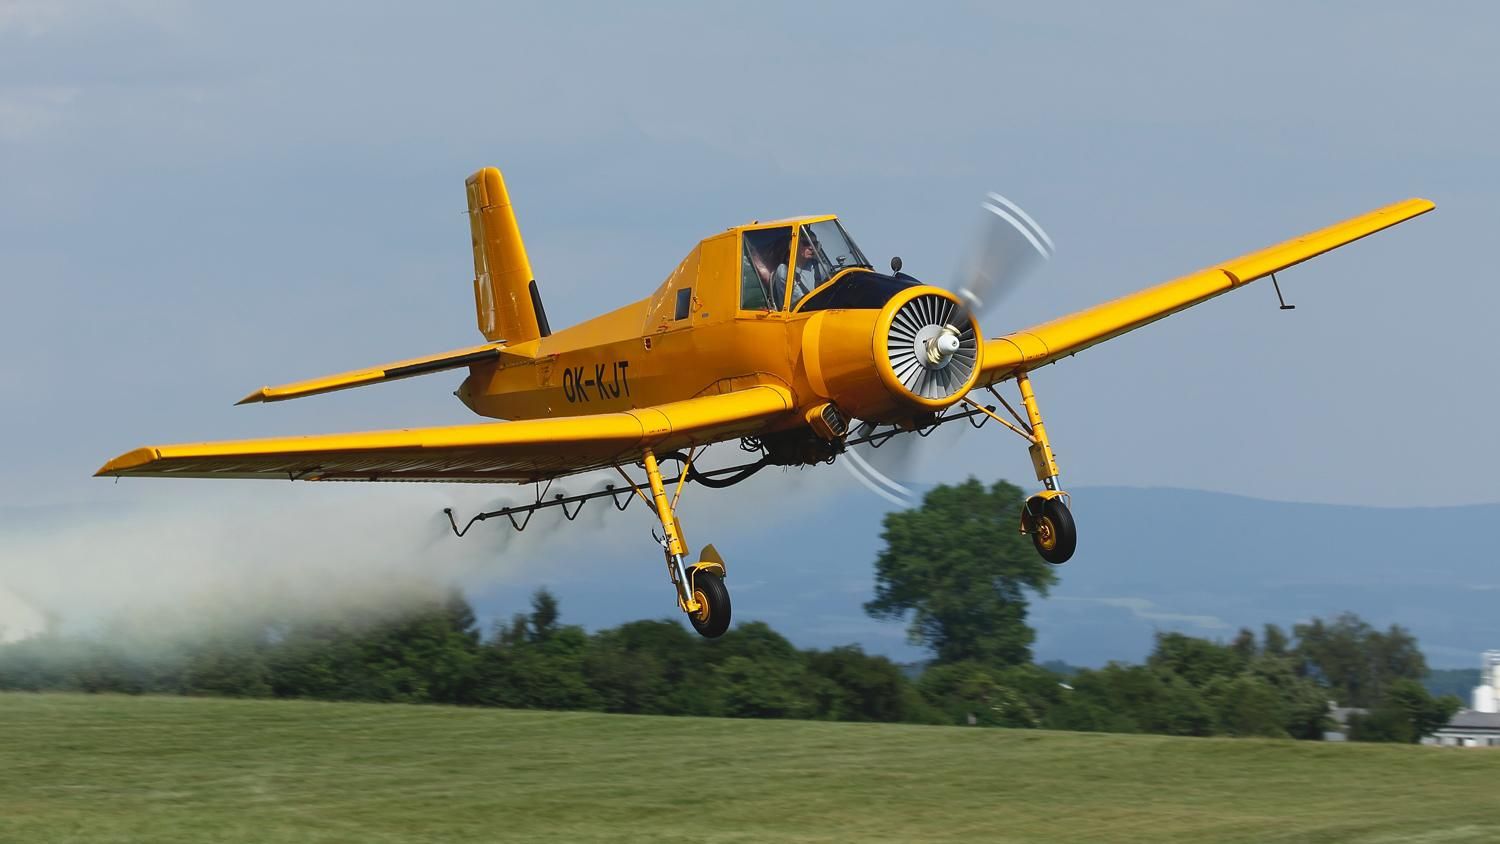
<point>505,295</point>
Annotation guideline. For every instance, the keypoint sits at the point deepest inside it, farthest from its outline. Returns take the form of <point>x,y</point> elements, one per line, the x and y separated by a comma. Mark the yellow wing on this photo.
<point>1040,345</point>
<point>390,372</point>
<point>504,452</point>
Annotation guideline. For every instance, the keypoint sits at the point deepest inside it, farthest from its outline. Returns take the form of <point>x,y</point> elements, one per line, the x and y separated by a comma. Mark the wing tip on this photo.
<point>133,459</point>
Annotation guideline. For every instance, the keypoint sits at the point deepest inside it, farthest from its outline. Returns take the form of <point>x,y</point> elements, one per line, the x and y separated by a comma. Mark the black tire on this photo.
<point>709,591</point>
<point>1052,530</point>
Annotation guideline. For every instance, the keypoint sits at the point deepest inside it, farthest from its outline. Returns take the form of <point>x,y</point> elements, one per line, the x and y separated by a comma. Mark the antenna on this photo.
<point>1284,305</point>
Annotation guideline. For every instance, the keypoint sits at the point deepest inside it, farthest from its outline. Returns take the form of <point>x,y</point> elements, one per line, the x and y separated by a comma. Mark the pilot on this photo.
<point>809,271</point>
<point>758,296</point>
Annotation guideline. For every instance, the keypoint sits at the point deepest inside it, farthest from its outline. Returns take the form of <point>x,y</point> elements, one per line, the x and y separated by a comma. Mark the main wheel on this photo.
<point>1052,529</point>
<point>712,617</point>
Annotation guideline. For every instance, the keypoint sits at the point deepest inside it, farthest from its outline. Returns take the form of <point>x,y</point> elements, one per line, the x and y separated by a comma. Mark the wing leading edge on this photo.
<point>1040,345</point>
<point>499,452</point>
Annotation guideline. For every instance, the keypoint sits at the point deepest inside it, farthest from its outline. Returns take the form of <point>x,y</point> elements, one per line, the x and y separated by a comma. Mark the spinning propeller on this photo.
<point>1007,247</point>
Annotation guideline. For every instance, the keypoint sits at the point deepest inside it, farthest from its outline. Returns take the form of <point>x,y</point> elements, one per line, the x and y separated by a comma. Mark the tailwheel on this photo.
<point>1050,524</point>
<point>711,618</point>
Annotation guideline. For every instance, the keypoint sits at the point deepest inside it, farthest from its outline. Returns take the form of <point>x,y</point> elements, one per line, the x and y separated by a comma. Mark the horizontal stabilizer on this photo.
<point>456,359</point>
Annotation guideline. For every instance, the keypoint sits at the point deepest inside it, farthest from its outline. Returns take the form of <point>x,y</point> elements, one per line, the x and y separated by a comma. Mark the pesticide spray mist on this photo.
<point>175,561</point>
<point>192,557</point>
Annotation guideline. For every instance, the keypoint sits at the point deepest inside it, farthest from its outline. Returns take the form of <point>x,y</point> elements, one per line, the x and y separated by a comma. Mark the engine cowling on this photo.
<point>920,352</point>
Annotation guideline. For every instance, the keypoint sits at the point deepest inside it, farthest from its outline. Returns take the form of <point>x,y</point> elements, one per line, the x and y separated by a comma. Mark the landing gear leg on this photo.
<point>1046,516</point>
<point>701,592</point>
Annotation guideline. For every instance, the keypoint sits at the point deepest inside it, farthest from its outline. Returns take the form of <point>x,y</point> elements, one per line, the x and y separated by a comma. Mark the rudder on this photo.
<point>506,300</point>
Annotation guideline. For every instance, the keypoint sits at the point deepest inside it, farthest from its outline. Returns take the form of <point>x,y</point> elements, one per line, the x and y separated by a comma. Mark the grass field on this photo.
<point>115,769</point>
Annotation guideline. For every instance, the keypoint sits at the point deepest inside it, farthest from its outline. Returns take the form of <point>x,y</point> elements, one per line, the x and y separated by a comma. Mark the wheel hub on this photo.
<point>1046,534</point>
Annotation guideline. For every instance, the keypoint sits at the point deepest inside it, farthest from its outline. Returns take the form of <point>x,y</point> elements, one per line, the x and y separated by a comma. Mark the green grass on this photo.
<point>110,769</point>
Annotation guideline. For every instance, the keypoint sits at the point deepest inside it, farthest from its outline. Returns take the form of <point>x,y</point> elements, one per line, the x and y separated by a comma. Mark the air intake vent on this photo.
<point>835,420</point>
<point>828,421</point>
<point>932,347</point>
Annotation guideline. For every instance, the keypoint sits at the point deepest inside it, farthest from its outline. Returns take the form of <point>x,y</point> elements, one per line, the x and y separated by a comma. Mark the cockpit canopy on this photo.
<point>815,252</point>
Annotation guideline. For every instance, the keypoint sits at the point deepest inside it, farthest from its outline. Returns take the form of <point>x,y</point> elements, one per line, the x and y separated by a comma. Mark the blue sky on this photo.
<point>197,199</point>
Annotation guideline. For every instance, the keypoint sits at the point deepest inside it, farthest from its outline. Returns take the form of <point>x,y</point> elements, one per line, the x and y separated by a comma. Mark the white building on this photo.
<point>1478,726</point>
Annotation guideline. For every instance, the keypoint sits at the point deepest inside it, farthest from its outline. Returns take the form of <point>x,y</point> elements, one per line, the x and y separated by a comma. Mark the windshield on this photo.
<point>823,251</point>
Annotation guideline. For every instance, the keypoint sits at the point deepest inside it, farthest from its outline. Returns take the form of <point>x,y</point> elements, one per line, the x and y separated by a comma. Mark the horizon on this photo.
<point>1106,586</point>
<point>203,199</point>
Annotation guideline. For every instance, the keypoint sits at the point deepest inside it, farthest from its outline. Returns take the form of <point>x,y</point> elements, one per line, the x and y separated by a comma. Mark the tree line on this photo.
<point>434,651</point>
<point>954,568</point>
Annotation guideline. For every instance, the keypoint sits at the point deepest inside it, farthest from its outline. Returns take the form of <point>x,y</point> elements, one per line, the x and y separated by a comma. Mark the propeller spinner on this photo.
<point>931,345</point>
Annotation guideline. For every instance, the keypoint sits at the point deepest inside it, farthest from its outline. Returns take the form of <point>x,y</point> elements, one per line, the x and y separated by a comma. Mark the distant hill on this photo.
<point>1453,681</point>
<point>1148,559</point>
<point>1208,563</point>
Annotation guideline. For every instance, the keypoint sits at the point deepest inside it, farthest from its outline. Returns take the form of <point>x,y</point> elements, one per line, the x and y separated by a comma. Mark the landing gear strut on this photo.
<point>700,588</point>
<point>1045,515</point>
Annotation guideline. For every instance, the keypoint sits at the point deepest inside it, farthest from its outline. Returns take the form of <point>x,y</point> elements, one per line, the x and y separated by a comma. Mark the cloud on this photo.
<point>1147,611</point>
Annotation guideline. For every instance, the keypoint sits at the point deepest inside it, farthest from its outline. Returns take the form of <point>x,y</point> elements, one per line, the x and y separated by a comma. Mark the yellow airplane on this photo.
<point>732,346</point>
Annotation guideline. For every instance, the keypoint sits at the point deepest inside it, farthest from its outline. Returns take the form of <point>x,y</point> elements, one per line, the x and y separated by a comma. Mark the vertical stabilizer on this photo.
<point>505,294</point>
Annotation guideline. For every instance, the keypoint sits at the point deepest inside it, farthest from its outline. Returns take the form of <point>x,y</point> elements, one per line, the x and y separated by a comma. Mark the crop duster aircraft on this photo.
<point>773,334</point>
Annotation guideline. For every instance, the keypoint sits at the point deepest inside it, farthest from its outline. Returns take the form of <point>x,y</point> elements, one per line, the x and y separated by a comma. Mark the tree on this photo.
<point>544,615</point>
<point>1406,714</point>
<point>759,689</point>
<point>1274,641</point>
<point>1198,661</point>
<point>974,693</point>
<point>1304,703</point>
<point>226,667</point>
<point>1355,661</point>
<point>754,640</point>
<point>1246,705</point>
<point>648,667</point>
<point>1244,645</point>
<point>960,568</point>
<point>1135,698</point>
<point>537,663</point>
<point>857,686</point>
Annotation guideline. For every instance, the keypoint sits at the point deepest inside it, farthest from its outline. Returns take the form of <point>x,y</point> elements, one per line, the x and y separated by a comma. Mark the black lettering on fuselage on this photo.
<point>610,381</point>
<point>599,380</point>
